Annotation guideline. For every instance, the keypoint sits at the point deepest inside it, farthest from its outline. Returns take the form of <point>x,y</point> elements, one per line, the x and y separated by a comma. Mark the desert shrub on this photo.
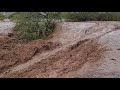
<point>34,25</point>
<point>2,16</point>
<point>110,16</point>
<point>80,16</point>
<point>92,16</point>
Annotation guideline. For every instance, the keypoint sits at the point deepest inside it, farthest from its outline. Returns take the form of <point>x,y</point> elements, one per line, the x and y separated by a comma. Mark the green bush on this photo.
<point>34,25</point>
<point>2,16</point>
<point>80,16</point>
<point>111,16</point>
<point>24,16</point>
<point>92,16</point>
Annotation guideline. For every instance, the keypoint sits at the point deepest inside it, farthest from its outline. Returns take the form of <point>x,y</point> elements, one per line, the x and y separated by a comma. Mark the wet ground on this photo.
<point>76,49</point>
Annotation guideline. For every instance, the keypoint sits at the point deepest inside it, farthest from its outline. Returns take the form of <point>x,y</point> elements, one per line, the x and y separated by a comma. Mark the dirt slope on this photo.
<point>76,49</point>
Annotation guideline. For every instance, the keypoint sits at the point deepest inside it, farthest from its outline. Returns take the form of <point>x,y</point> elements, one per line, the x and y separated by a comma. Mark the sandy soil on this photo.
<point>76,49</point>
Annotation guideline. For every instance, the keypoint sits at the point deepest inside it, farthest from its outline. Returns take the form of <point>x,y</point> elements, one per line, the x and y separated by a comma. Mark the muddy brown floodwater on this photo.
<point>76,49</point>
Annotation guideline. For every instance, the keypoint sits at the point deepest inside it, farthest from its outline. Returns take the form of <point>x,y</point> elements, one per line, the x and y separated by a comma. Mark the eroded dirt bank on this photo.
<point>76,49</point>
